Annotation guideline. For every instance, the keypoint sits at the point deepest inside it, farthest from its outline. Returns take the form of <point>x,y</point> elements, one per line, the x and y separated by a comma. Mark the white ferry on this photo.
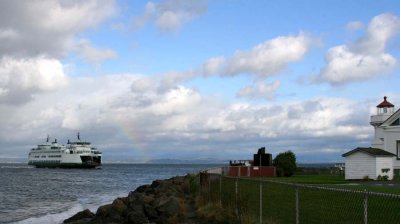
<point>79,154</point>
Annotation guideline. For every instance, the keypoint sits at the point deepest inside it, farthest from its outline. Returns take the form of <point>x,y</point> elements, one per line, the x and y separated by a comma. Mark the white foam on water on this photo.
<point>16,167</point>
<point>84,203</point>
<point>52,218</point>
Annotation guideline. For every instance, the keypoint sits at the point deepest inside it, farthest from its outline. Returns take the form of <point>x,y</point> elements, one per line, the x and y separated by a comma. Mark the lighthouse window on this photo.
<point>385,110</point>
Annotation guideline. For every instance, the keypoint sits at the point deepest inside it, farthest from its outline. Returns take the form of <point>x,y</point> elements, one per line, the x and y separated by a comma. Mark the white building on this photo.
<point>385,149</point>
<point>368,163</point>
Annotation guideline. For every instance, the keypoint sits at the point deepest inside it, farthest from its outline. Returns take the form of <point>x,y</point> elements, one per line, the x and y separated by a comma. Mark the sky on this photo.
<point>178,79</point>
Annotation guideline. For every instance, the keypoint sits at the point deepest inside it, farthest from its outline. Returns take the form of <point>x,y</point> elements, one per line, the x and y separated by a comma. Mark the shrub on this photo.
<point>285,164</point>
<point>215,213</point>
<point>366,178</point>
<point>194,184</point>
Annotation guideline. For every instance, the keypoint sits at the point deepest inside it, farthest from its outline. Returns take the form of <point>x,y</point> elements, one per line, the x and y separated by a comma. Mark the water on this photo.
<point>32,195</point>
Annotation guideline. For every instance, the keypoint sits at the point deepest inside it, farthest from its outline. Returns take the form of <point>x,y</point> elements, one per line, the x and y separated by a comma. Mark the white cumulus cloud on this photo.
<point>48,27</point>
<point>364,59</point>
<point>269,57</point>
<point>21,78</point>
<point>260,89</point>
<point>170,15</point>
<point>118,115</point>
<point>354,25</point>
<point>92,54</point>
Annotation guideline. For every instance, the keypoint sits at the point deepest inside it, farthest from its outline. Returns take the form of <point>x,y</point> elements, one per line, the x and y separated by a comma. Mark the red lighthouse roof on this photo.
<point>385,103</point>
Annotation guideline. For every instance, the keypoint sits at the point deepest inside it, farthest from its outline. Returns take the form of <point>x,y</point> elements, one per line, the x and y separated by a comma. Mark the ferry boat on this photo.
<point>78,154</point>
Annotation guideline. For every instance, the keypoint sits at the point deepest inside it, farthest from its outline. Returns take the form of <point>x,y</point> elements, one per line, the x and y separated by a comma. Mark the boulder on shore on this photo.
<point>164,201</point>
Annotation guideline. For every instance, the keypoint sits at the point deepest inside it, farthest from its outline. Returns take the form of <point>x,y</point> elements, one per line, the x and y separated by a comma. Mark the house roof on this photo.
<point>385,103</point>
<point>370,151</point>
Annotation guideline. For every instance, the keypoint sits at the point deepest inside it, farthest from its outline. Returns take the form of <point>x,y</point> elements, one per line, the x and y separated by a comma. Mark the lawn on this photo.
<point>337,181</point>
<point>315,205</point>
<point>312,179</point>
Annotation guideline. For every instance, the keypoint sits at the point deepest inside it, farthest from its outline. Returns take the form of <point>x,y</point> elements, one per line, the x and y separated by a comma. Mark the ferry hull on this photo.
<point>64,165</point>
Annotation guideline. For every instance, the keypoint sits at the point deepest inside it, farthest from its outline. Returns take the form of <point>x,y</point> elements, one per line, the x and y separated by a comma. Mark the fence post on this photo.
<point>236,197</point>
<point>209,187</point>
<point>220,189</point>
<point>297,206</point>
<point>365,206</point>
<point>261,218</point>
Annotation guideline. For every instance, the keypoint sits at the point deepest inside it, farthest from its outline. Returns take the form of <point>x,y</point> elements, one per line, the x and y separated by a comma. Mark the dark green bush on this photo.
<point>285,164</point>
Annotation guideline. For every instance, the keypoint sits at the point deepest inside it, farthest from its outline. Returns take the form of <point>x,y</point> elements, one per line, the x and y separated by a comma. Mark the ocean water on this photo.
<point>33,195</point>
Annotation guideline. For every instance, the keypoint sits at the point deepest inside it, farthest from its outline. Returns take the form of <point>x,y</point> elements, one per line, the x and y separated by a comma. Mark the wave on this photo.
<point>16,167</point>
<point>52,218</point>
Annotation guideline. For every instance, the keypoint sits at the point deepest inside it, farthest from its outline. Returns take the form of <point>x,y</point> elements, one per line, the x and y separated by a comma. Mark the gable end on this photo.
<point>392,119</point>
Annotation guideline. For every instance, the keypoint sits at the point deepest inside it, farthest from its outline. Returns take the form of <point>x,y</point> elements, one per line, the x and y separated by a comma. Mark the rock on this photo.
<point>137,217</point>
<point>161,202</point>
<point>148,199</point>
<point>80,217</point>
<point>150,211</point>
<point>104,211</point>
<point>119,206</point>
<point>169,207</point>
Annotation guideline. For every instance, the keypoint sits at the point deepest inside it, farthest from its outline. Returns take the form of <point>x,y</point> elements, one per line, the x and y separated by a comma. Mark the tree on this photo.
<point>285,164</point>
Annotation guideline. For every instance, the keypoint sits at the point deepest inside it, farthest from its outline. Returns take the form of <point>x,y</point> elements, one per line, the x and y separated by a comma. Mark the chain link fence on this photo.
<point>254,200</point>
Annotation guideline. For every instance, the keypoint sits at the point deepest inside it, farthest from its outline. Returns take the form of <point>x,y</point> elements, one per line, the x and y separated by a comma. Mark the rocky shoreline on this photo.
<point>163,201</point>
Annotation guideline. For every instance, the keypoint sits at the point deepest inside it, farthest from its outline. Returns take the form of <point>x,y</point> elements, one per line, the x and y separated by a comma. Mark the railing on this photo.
<point>268,201</point>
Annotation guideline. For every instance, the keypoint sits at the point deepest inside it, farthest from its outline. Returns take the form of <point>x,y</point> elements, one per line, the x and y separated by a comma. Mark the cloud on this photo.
<point>269,57</point>
<point>118,113</point>
<point>260,89</point>
<point>32,28</point>
<point>36,35</point>
<point>20,79</point>
<point>262,61</point>
<point>380,30</point>
<point>94,55</point>
<point>170,15</point>
<point>345,66</point>
<point>354,25</point>
<point>364,59</point>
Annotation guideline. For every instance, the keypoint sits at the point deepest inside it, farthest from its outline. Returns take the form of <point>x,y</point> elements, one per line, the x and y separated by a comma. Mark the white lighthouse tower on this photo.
<point>384,110</point>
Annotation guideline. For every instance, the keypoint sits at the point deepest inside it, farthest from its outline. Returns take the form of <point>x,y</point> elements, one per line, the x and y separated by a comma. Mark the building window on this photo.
<point>396,122</point>
<point>398,150</point>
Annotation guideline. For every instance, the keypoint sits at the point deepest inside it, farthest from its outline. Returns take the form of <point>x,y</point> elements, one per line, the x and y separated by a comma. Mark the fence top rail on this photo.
<point>310,186</point>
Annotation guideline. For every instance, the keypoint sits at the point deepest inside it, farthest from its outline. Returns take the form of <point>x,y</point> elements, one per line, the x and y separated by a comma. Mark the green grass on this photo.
<point>316,205</point>
<point>336,181</point>
<point>312,179</point>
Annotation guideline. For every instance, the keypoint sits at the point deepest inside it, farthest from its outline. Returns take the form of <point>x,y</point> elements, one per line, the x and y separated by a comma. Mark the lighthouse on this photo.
<point>383,111</point>
<point>382,159</point>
